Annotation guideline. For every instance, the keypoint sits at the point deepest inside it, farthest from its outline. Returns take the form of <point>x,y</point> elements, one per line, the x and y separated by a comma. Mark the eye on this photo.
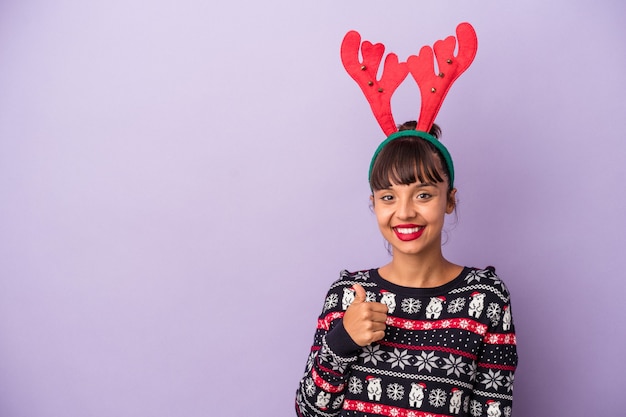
<point>423,196</point>
<point>386,197</point>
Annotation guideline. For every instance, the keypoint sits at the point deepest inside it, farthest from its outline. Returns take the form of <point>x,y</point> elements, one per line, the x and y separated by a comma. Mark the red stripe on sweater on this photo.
<point>325,385</point>
<point>496,366</point>
<point>500,339</point>
<point>385,410</point>
<point>463,324</point>
<point>328,319</point>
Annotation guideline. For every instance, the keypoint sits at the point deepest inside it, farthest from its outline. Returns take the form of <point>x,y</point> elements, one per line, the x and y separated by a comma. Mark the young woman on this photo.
<point>420,336</point>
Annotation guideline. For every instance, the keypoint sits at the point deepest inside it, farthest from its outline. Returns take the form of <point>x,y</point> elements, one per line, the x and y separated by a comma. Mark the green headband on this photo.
<point>428,138</point>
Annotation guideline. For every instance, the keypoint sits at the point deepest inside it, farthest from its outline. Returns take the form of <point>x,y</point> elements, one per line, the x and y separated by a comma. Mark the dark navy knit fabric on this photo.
<point>447,351</point>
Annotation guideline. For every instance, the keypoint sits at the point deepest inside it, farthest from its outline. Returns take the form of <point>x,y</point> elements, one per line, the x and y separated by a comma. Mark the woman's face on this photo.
<point>411,217</point>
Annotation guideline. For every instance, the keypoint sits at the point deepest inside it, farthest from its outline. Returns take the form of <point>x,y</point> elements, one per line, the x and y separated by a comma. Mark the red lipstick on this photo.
<point>408,232</point>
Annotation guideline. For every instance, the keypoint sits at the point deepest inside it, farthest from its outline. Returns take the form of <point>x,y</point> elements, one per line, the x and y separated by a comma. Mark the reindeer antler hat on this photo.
<point>433,86</point>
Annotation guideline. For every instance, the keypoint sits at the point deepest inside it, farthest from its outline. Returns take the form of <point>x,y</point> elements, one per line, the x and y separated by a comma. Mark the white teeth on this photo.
<point>407,230</point>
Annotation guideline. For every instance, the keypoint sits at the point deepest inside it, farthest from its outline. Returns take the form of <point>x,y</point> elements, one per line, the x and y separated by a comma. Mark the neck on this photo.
<point>420,272</point>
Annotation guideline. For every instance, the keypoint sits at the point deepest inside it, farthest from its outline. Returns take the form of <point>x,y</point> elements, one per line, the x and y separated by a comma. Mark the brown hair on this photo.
<point>406,160</point>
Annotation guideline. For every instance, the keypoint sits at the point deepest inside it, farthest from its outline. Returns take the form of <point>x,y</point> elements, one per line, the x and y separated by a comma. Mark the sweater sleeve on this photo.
<point>321,389</point>
<point>492,395</point>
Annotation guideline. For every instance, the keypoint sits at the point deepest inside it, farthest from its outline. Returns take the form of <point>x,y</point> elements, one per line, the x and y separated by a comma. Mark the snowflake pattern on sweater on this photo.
<point>447,351</point>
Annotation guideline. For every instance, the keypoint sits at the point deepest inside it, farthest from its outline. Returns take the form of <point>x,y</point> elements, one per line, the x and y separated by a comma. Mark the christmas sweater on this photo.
<point>447,351</point>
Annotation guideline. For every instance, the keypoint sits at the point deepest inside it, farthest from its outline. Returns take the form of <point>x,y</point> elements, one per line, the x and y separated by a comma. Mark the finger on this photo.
<point>359,293</point>
<point>377,327</point>
<point>378,317</point>
<point>379,307</point>
<point>378,335</point>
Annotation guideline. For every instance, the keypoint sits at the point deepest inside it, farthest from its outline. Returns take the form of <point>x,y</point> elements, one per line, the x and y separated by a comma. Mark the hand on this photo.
<point>365,321</point>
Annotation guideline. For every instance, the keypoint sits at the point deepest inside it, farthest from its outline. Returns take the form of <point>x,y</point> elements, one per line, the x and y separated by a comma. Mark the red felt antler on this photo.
<point>377,92</point>
<point>434,86</point>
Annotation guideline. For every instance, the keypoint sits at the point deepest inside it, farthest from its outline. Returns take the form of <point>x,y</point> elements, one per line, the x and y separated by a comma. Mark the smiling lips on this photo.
<point>407,232</point>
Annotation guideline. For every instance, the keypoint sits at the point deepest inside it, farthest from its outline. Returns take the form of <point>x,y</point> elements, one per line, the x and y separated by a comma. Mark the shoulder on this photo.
<point>357,277</point>
<point>340,294</point>
<point>347,279</point>
<point>363,275</point>
<point>486,281</point>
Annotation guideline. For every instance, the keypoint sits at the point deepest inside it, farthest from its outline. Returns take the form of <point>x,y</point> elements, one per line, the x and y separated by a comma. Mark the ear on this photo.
<point>372,200</point>
<point>451,201</point>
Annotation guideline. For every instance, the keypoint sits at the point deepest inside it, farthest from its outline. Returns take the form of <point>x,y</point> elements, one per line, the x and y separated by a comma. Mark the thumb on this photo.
<point>359,293</point>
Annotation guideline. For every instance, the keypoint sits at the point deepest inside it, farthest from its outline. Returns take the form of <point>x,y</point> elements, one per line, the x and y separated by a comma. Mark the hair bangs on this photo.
<point>405,161</point>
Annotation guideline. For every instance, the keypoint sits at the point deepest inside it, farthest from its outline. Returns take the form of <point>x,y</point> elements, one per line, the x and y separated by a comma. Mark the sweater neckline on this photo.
<point>420,292</point>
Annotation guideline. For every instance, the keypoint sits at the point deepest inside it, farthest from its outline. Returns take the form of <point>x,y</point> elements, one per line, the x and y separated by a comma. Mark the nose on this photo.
<point>406,209</point>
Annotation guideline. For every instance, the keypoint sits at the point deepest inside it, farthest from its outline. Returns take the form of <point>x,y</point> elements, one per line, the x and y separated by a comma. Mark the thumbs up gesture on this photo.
<point>365,321</point>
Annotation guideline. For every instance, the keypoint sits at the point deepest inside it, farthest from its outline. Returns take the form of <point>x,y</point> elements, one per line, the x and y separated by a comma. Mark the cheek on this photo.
<point>438,213</point>
<point>382,216</point>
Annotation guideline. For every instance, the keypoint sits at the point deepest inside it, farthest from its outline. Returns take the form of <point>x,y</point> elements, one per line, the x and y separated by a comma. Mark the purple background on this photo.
<point>180,182</point>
